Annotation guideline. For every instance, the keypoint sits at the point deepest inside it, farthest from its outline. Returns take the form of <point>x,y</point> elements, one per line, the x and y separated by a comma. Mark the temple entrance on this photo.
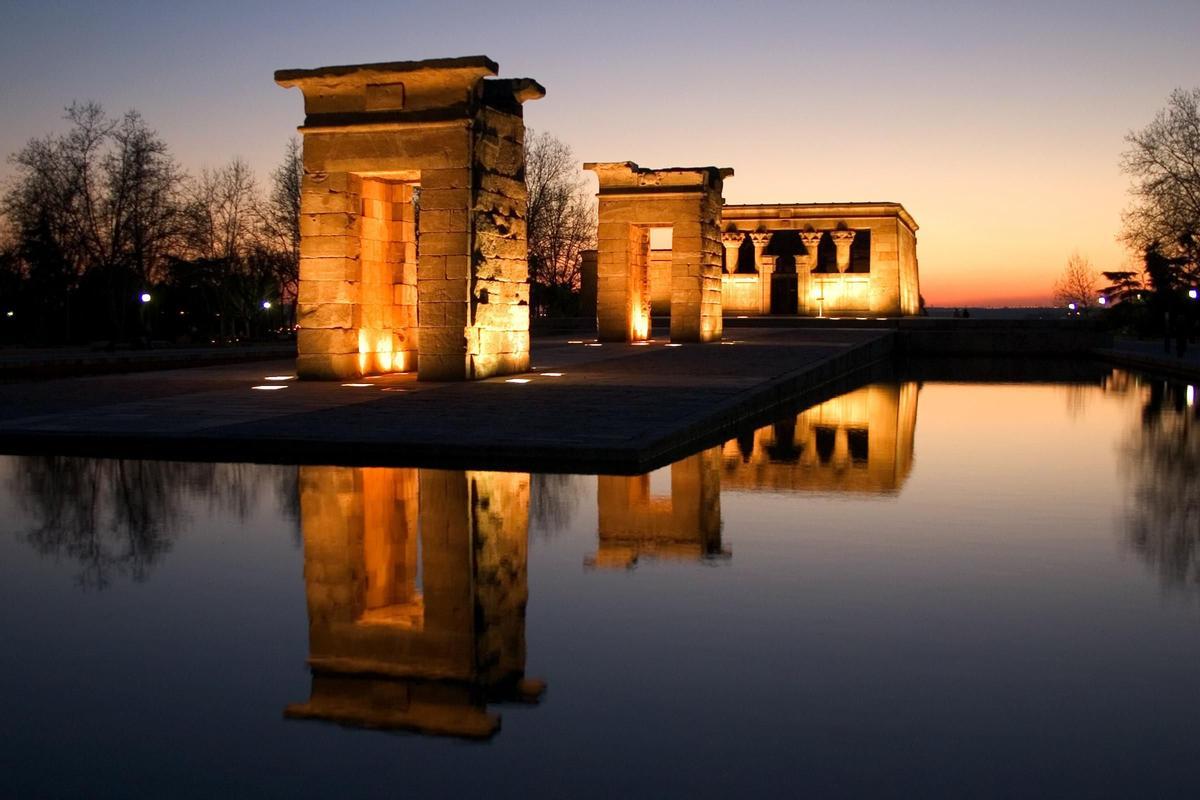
<point>633,202</point>
<point>784,293</point>
<point>372,133</point>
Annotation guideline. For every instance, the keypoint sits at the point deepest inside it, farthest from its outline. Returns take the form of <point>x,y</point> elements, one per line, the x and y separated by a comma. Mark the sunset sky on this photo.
<point>998,125</point>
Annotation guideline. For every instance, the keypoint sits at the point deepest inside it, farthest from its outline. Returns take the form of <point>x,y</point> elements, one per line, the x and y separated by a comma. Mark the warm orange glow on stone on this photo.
<point>416,586</point>
<point>367,302</point>
<point>861,441</point>
<point>684,525</point>
<point>633,201</point>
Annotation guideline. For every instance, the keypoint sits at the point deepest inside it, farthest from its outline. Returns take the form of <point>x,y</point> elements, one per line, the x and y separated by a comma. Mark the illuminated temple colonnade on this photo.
<point>820,260</point>
<point>843,259</point>
<point>861,442</point>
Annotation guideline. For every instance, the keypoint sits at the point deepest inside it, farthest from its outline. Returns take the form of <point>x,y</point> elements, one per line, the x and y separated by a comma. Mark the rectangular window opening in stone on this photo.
<point>660,271</point>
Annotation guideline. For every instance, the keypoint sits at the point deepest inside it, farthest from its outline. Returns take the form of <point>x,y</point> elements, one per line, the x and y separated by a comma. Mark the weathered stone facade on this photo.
<point>632,201</point>
<point>635,523</point>
<point>389,285</point>
<point>417,585</point>
<point>839,259</point>
<point>861,441</point>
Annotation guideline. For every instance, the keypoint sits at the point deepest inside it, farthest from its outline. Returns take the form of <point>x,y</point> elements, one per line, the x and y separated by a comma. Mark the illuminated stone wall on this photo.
<point>417,584</point>
<point>385,287</point>
<point>888,286</point>
<point>633,200</point>
<point>861,441</point>
<point>636,524</point>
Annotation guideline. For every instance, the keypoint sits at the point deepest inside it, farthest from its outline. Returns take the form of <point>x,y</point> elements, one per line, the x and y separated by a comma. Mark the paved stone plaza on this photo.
<point>585,405</point>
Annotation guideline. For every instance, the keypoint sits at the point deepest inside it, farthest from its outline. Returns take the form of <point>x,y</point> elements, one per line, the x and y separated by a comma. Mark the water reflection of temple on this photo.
<point>861,441</point>
<point>682,523</point>
<point>416,585</point>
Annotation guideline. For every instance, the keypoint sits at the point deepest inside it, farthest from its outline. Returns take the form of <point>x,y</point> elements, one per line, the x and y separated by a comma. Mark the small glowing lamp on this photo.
<point>1071,306</point>
<point>358,385</point>
<point>1102,300</point>
<point>553,374</point>
<point>269,387</point>
<point>1191,396</point>
<point>9,314</point>
<point>517,380</point>
<point>1192,293</point>
<point>266,304</point>
<point>145,297</point>
<point>281,377</point>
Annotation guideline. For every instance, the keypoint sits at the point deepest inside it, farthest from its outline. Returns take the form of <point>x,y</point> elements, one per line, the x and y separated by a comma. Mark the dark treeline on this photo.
<point>1162,224</point>
<point>105,238</point>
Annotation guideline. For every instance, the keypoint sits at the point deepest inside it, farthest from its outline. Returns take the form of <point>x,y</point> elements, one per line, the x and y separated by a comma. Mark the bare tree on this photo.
<point>1079,284</point>
<point>560,220</point>
<point>281,219</point>
<point>224,238</point>
<point>1163,161</point>
<point>100,200</point>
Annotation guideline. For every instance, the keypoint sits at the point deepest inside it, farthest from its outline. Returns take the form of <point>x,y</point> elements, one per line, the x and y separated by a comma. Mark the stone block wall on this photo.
<point>741,294</point>
<point>634,523</point>
<point>633,200</point>
<point>384,288</point>
<point>889,288</point>
<point>397,644</point>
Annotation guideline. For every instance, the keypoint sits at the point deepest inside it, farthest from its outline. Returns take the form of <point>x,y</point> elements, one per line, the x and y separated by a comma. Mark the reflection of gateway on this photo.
<point>416,584</point>
<point>861,441</point>
<point>684,525</point>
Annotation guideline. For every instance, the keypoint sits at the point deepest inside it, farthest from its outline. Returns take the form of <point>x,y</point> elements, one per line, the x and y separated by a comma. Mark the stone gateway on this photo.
<point>412,249</point>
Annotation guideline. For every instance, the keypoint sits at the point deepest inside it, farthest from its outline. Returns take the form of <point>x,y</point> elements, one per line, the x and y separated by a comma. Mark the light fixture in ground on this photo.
<point>270,387</point>
<point>358,385</point>
<point>517,380</point>
<point>280,378</point>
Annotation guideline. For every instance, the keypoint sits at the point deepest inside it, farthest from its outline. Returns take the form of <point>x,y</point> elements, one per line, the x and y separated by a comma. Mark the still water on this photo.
<point>937,589</point>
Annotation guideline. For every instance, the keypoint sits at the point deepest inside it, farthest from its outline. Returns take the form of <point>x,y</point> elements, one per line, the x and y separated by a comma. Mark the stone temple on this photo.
<point>413,253</point>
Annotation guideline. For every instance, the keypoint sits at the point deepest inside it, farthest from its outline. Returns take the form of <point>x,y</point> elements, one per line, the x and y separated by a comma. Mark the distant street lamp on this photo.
<point>1071,306</point>
<point>1102,300</point>
<point>1192,293</point>
<point>266,304</point>
<point>145,297</point>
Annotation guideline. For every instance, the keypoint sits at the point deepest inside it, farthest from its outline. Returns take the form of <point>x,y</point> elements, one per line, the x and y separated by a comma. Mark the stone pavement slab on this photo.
<point>584,406</point>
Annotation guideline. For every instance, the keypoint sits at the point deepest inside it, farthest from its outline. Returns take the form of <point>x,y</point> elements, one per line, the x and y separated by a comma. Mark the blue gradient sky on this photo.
<point>999,126</point>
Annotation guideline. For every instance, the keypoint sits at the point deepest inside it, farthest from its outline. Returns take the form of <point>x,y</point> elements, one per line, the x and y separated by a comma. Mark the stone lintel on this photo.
<point>361,74</point>
<point>406,91</point>
<point>749,216</point>
<point>626,177</point>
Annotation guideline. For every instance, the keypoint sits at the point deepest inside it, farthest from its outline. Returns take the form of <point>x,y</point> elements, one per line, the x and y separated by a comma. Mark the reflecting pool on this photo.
<point>911,589</point>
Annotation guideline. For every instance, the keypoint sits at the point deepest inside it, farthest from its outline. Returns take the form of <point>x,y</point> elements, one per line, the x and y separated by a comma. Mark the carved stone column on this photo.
<point>732,241</point>
<point>842,240</point>
<point>804,269</point>
<point>760,240</point>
